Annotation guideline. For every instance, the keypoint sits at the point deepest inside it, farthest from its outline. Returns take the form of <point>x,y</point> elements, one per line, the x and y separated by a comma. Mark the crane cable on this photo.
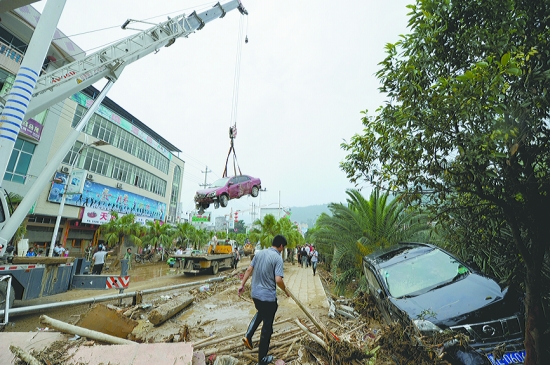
<point>235,100</point>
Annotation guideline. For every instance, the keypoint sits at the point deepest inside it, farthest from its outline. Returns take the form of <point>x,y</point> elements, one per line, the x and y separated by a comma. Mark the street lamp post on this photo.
<point>64,194</point>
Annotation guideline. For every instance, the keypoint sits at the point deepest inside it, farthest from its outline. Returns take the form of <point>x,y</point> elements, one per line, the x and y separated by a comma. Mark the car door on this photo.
<point>233,187</point>
<point>378,292</point>
<point>245,186</point>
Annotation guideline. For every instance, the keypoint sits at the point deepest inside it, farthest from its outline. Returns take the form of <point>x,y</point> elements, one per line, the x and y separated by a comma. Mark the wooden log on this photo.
<point>167,310</point>
<point>313,320</point>
<point>83,332</point>
<point>202,344</point>
<point>23,355</point>
<point>313,336</point>
<point>22,260</point>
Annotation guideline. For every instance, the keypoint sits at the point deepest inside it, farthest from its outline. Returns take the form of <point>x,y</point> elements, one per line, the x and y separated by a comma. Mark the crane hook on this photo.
<point>246,39</point>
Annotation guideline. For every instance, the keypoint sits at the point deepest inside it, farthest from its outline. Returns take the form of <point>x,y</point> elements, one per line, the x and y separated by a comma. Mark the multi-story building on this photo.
<point>134,171</point>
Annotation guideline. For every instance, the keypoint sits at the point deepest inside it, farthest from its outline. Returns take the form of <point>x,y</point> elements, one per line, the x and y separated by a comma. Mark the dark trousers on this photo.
<point>96,270</point>
<point>266,314</point>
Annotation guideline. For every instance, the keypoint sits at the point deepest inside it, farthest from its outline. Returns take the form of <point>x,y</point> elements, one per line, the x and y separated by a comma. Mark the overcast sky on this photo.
<point>305,75</point>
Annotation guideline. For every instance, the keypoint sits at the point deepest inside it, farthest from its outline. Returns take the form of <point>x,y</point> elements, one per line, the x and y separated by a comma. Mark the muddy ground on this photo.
<point>218,312</point>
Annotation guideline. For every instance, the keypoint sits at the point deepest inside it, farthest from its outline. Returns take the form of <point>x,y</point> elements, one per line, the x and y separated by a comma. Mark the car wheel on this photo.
<point>216,204</point>
<point>4,294</point>
<point>255,191</point>
<point>205,205</point>
<point>224,199</point>
<point>214,265</point>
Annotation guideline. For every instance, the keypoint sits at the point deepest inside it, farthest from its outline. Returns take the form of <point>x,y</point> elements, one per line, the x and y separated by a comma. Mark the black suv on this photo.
<point>422,285</point>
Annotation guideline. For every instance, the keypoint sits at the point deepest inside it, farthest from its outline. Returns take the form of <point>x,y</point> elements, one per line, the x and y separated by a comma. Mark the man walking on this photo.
<point>314,255</point>
<point>267,266</point>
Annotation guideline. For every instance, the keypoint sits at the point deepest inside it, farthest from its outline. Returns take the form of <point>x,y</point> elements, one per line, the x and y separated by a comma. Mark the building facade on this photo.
<point>134,171</point>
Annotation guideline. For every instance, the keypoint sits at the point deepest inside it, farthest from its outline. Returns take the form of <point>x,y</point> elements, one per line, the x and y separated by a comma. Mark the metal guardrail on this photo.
<point>41,307</point>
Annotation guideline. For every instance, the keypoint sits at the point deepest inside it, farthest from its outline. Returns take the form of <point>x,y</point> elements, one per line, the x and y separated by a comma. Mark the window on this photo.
<point>19,162</point>
<point>13,42</point>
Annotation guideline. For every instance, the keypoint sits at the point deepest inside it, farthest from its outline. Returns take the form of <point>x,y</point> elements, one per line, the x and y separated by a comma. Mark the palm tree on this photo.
<point>183,233</point>
<point>268,229</point>
<point>15,200</point>
<point>118,228</point>
<point>362,226</point>
<point>157,234</point>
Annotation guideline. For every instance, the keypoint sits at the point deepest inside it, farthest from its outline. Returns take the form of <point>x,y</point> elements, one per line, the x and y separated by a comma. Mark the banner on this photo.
<point>99,217</point>
<point>200,217</point>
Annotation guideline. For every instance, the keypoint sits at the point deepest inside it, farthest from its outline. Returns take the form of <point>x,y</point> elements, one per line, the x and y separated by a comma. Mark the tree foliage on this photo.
<point>359,227</point>
<point>265,230</point>
<point>118,228</point>
<point>466,128</point>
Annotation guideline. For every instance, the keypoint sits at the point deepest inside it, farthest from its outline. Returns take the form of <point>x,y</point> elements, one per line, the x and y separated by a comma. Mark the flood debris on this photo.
<point>107,319</point>
<point>167,310</point>
<point>82,332</point>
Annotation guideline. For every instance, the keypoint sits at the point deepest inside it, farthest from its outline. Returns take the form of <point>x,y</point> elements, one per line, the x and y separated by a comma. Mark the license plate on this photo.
<point>511,357</point>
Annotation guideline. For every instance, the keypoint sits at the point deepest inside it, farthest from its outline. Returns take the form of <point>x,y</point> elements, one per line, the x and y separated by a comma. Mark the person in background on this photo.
<point>179,251</point>
<point>236,258</point>
<point>30,252</point>
<point>314,255</point>
<point>304,257</point>
<point>58,250</point>
<point>99,260</point>
<point>128,256</point>
<point>266,270</point>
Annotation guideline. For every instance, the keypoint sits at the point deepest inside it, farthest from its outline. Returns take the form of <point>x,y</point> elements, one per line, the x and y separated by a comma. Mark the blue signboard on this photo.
<point>107,198</point>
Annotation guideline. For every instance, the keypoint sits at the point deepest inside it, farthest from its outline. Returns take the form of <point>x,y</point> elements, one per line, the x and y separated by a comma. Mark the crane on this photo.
<point>55,86</point>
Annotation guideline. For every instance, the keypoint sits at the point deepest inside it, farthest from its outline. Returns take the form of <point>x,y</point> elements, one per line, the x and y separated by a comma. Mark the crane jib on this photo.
<point>110,61</point>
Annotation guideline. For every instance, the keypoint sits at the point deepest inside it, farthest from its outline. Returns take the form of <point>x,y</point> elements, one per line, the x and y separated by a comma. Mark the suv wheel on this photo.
<point>224,200</point>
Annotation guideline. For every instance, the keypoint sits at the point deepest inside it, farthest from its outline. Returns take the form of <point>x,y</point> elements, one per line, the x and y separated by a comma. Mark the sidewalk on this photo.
<point>306,287</point>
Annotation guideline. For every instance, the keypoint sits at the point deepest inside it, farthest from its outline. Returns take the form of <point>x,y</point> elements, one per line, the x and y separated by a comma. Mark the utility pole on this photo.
<point>205,185</point>
<point>253,213</point>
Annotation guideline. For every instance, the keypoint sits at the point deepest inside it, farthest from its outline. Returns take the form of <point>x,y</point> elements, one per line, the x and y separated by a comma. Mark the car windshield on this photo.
<point>422,273</point>
<point>219,183</point>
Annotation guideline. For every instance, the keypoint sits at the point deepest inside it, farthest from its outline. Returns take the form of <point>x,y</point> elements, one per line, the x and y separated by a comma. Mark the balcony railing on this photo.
<point>10,59</point>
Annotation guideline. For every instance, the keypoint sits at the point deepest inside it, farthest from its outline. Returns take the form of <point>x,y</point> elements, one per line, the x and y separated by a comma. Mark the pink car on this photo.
<point>222,190</point>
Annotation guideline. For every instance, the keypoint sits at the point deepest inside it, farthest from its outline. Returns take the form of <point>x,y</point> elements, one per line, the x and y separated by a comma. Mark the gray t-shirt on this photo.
<point>267,264</point>
<point>99,257</point>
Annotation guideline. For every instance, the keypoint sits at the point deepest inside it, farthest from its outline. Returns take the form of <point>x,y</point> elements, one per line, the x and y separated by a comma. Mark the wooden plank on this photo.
<point>24,260</point>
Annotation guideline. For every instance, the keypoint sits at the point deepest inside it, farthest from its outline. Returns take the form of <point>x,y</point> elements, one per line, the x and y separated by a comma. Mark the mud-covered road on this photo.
<point>142,277</point>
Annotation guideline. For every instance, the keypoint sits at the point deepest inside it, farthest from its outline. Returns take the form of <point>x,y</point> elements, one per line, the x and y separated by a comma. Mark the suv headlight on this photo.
<point>211,195</point>
<point>426,326</point>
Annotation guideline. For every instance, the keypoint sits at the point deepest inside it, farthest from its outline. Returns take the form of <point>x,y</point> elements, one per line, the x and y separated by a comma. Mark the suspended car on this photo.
<point>225,189</point>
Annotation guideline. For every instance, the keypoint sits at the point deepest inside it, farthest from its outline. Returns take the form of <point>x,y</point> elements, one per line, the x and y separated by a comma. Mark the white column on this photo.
<point>18,99</point>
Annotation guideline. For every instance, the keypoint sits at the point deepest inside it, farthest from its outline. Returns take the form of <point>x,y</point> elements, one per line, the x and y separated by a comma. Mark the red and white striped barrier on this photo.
<point>117,282</point>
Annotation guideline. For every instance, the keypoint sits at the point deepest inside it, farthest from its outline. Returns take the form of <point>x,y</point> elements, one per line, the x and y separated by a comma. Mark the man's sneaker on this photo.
<point>266,360</point>
<point>248,343</point>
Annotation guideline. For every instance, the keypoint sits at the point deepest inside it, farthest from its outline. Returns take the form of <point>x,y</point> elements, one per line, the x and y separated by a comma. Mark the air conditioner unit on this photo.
<point>89,176</point>
<point>119,185</point>
<point>64,169</point>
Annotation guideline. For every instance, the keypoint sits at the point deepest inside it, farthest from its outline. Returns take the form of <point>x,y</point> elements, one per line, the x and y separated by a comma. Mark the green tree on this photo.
<point>118,228</point>
<point>15,200</point>
<point>265,230</point>
<point>157,234</point>
<point>466,126</point>
<point>359,227</point>
<point>183,234</point>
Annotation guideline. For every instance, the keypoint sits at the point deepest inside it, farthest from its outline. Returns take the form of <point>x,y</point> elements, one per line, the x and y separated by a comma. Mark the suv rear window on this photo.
<point>422,273</point>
